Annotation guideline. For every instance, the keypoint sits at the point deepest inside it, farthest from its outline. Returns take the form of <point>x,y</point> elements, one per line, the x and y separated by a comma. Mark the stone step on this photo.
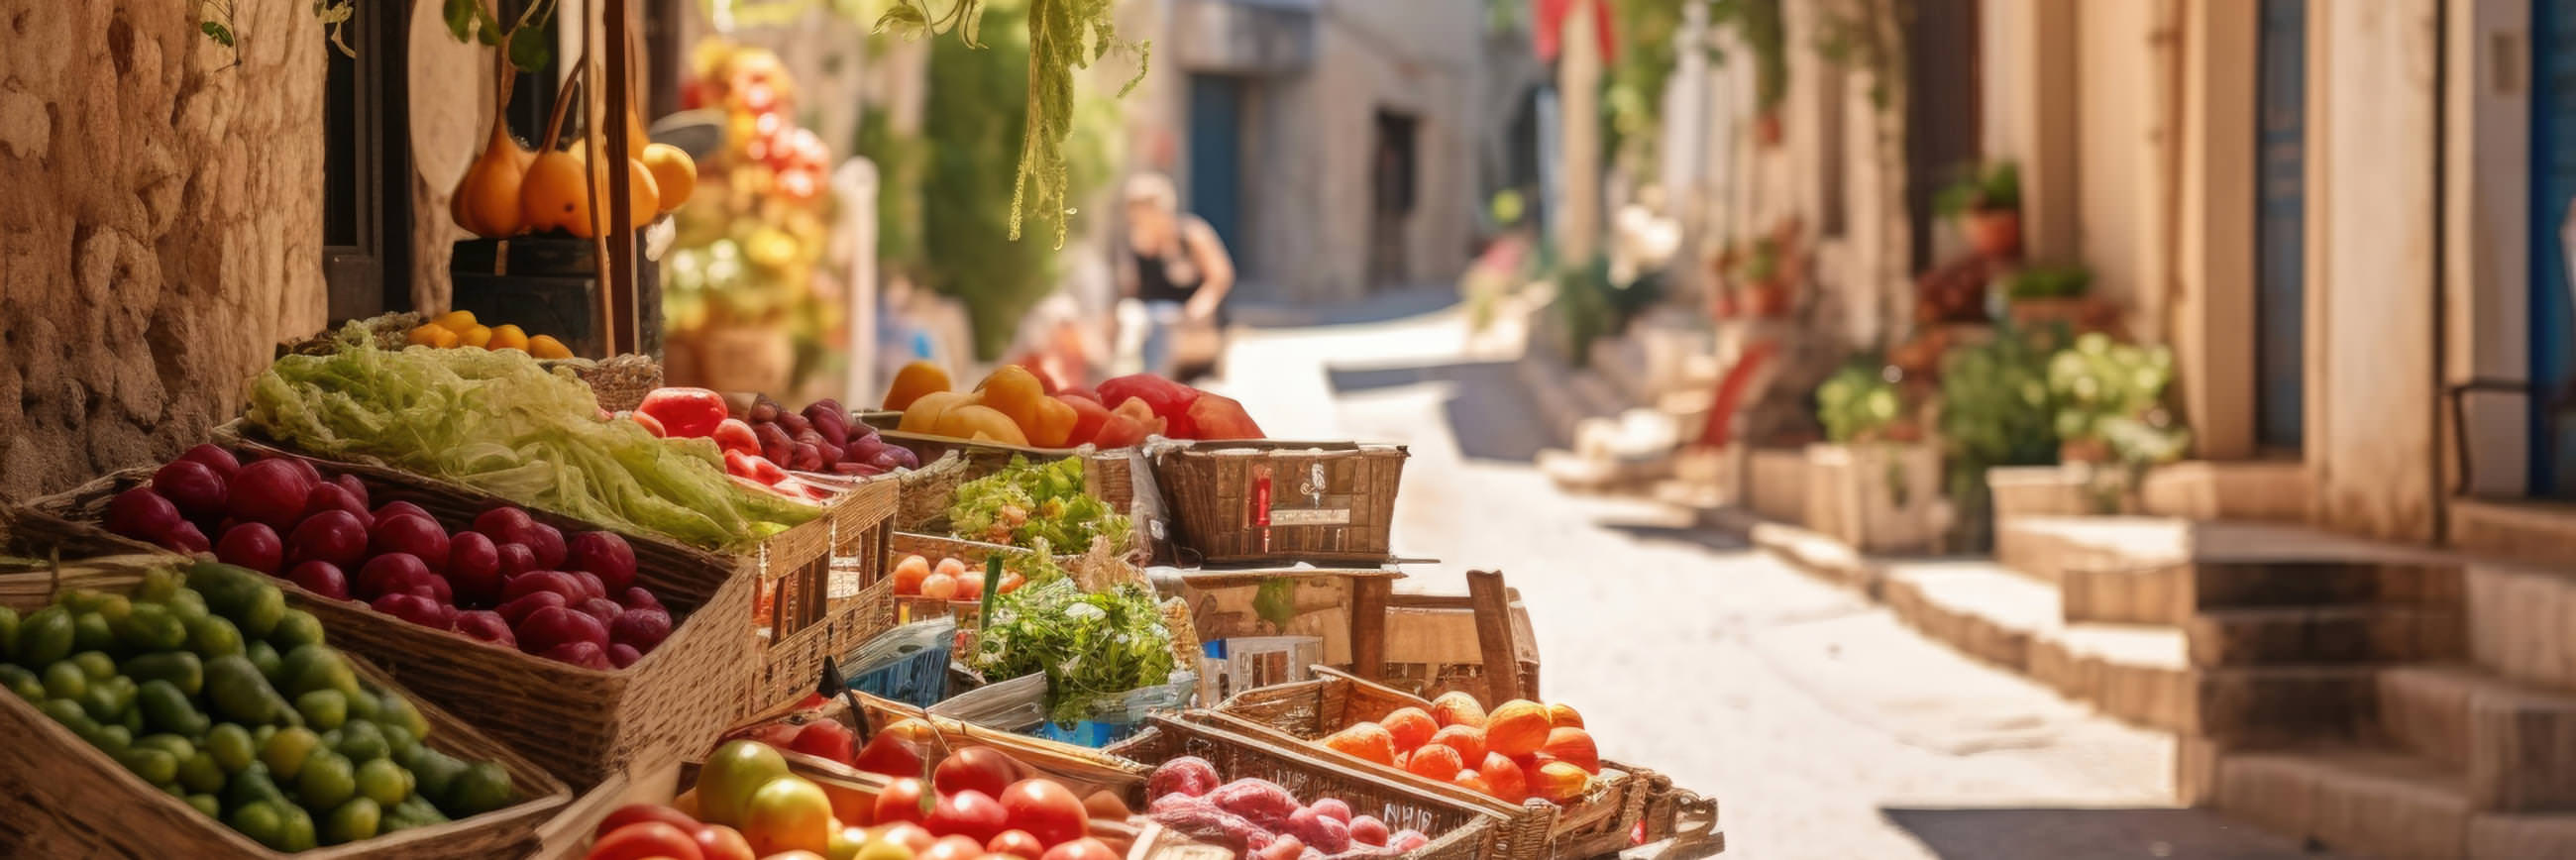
<point>2515,742</point>
<point>2254,705</point>
<point>2047,547</point>
<point>2349,798</point>
<point>2323,634</point>
<point>2172,593</point>
<point>2518,622</point>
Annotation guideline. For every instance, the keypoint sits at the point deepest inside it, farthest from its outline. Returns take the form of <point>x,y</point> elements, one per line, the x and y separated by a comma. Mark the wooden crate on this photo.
<point>61,797</point>
<point>1459,830</point>
<point>582,724</point>
<point>826,599</point>
<point>1297,714</point>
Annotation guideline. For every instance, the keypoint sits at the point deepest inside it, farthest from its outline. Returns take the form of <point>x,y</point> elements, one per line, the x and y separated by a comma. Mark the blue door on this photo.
<point>2553,183</point>
<point>2280,226</point>
<point>1216,155</point>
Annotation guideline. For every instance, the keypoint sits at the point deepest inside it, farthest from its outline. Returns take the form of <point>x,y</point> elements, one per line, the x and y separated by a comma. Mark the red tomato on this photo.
<point>1085,848</point>
<point>1046,809</point>
<point>901,802</point>
<point>779,735</point>
<point>646,839</point>
<point>634,812</point>
<point>732,434</point>
<point>718,842</point>
<point>954,848</point>
<point>1017,843</point>
<point>826,738</point>
<point>983,769</point>
<point>969,813</point>
<point>908,835</point>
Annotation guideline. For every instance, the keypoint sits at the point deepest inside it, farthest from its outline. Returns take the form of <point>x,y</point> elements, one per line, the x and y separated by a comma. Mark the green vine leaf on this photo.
<point>530,50</point>
<point>460,16</point>
<point>221,34</point>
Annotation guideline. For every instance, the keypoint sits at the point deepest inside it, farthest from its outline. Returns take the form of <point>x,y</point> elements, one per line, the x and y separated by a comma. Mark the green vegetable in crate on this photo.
<point>1090,646</point>
<point>1040,507</point>
<point>180,690</point>
<point>499,422</point>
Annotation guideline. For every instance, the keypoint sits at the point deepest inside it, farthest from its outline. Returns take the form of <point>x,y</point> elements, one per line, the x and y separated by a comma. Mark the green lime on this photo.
<point>361,741</point>
<point>351,821</point>
<point>419,812</point>
<point>132,720</point>
<point>397,711</point>
<point>384,781</point>
<point>326,779</point>
<point>44,636</point>
<point>154,766</point>
<point>69,713</point>
<point>263,656</point>
<point>298,834</point>
<point>213,637</point>
<point>323,709</point>
<point>285,753</point>
<point>188,605</point>
<point>252,785</point>
<point>167,709</point>
<point>293,627</point>
<point>28,685</point>
<point>178,747</point>
<point>151,627</point>
<point>113,739</point>
<point>113,607</point>
<point>8,632</point>
<point>180,668</point>
<point>201,774</point>
<point>366,704</point>
<point>102,703</point>
<point>435,775</point>
<point>207,805</point>
<point>483,787</point>
<point>240,694</point>
<point>90,632</point>
<point>399,743</point>
<point>65,680</point>
<point>260,821</point>
<point>96,664</point>
<point>158,586</point>
<point>232,746</point>
<point>78,600</point>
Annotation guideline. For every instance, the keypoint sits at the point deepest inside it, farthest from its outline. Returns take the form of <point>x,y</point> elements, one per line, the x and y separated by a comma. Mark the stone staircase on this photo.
<point>2380,700</point>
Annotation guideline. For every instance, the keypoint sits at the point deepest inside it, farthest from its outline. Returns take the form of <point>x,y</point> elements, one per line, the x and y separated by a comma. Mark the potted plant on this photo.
<point>1762,272</point>
<point>2110,416</point>
<point>1874,483</point>
<point>1987,201</point>
<point>2043,294</point>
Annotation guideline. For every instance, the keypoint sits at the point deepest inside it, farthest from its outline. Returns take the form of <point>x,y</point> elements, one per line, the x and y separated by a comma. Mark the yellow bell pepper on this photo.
<point>923,414</point>
<point>913,381</point>
<point>973,421</point>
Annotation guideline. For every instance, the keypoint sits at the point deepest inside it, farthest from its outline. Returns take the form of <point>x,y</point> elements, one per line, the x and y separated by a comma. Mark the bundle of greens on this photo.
<point>1039,507</point>
<point>497,421</point>
<point>1092,647</point>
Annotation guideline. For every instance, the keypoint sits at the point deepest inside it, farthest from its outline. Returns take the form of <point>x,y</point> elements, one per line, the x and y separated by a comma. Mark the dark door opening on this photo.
<point>1392,175</point>
<point>2553,188</point>
<point>366,167</point>
<point>2280,226</point>
<point>1941,110</point>
<point>1216,156</point>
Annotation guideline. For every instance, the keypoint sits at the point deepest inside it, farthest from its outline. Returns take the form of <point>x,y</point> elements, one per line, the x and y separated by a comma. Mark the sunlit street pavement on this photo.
<point>1825,728</point>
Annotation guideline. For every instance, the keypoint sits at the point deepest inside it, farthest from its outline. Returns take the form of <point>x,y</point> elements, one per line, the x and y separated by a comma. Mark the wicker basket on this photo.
<point>1105,474</point>
<point>827,597</point>
<point>618,382</point>
<point>1268,502</point>
<point>1458,831</point>
<point>61,797</point>
<point>580,723</point>
<point>1602,821</point>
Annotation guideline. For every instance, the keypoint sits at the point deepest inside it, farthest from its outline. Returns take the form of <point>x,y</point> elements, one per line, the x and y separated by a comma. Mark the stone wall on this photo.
<point>160,224</point>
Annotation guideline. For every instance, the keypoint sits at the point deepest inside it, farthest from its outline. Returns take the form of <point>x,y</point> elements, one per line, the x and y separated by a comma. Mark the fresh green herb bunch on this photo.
<point>1992,187</point>
<point>1039,507</point>
<point>1996,410</point>
<point>1091,647</point>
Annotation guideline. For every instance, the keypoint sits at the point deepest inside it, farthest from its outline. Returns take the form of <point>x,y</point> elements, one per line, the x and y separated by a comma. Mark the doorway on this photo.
<point>1941,112</point>
<point>2280,226</point>
<point>1393,169</point>
<point>2553,187</point>
<point>1216,155</point>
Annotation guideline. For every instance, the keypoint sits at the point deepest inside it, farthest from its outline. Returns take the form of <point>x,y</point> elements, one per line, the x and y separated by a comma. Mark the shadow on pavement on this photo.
<point>1708,538</point>
<point>1487,411</point>
<point>1379,306</point>
<point>2093,834</point>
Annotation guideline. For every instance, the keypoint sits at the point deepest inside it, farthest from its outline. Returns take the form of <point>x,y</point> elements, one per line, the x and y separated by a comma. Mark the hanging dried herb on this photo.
<point>1064,36</point>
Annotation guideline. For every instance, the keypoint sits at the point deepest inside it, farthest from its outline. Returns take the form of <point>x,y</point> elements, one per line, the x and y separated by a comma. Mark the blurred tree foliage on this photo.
<point>952,231</point>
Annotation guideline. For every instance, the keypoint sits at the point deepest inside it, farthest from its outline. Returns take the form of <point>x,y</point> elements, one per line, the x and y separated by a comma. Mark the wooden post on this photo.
<point>617,290</point>
<point>1368,625</point>
<point>1494,636</point>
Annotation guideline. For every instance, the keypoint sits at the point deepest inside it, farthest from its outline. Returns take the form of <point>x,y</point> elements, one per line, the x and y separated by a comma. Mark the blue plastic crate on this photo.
<point>918,673</point>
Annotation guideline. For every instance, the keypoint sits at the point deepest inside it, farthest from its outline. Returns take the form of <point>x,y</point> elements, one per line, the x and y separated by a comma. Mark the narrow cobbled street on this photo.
<point>1828,729</point>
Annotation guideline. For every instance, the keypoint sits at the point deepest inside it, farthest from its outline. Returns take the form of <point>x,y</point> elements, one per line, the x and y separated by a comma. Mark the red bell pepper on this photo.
<point>685,412</point>
<point>1088,415</point>
<point>1128,424</point>
<point>1219,417</point>
<point>1169,400</point>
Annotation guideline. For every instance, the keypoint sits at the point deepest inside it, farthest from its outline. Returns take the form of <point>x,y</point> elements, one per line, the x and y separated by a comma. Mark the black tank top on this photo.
<point>1167,279</point>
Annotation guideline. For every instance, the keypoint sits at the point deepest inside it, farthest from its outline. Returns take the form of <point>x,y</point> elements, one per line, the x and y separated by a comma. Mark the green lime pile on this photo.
<point>209,687</point>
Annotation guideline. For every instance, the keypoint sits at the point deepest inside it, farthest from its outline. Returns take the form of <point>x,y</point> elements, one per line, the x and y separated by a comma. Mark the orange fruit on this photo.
<point>1469,741</point>
<point>1559,782</point>
<point>909,573</point>
<point>1472,781</point>
<point>1564,716</point>
<point>1504,777</point>
<point>1572,746</point>
<point>951,566</point>
<point>1455,708</point>
<point>1519,726</point>
<point>1435,762</point>
<point>1410,726</point>
<point>1367,741</point>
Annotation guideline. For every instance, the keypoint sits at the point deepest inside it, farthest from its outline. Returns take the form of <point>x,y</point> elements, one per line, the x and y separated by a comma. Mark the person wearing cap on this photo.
<point>1173,264</point>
